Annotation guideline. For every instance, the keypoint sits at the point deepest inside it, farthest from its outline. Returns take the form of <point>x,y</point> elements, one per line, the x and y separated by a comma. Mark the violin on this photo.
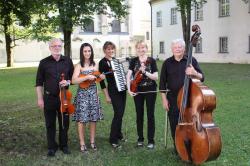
<point>137,79</point>
<point>87,83</point>
<point>65,99</point>
<point>197,138</point>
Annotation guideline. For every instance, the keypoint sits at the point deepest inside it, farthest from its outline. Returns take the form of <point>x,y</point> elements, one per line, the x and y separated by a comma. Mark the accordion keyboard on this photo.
<point>119,74</point>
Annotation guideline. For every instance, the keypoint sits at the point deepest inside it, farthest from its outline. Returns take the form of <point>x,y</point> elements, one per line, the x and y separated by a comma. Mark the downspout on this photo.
<point>151,15</point>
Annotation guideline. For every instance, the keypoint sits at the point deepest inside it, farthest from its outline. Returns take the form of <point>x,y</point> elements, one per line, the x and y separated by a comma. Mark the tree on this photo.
<point>13,11</point>
<point>185,7</point>
<point>65,14</point>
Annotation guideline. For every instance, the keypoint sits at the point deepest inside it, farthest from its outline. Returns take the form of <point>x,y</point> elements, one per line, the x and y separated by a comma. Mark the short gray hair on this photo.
<point>181,41</point>
<point>54,40</point>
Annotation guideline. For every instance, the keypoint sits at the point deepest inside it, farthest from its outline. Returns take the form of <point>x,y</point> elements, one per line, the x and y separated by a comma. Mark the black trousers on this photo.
<point>51,111</point>
<point>150,99</point>
<point>173,115</point>
<point>118,100</point>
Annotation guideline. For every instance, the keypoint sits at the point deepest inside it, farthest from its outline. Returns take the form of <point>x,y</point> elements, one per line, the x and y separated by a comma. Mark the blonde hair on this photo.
<point>141,42</point>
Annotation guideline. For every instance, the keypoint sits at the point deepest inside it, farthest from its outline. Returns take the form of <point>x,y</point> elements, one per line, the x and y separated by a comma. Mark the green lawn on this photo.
<point>23,139</point>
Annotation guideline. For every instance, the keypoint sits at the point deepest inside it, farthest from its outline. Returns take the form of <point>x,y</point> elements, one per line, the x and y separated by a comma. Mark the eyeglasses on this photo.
<point>58,46</point>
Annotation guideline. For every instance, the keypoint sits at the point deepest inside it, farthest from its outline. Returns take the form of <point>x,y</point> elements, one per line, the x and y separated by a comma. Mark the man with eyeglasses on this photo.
<point>48,82</point>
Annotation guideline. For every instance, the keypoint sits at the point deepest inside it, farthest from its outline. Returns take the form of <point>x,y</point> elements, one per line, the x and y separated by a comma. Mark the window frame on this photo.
<point>161,47</point>
<point>198,12</point>
<point>159,19</point>
<point>224,8</point>
<point>173,16</point>
<point>222,44</point>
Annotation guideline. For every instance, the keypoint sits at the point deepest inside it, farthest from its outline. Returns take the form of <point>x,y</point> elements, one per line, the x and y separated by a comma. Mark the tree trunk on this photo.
<point>8,48</point>
<point>67,43</point>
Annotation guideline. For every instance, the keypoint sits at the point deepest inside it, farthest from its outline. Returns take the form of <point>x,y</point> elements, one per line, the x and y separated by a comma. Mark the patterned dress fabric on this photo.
<point>87,104</point>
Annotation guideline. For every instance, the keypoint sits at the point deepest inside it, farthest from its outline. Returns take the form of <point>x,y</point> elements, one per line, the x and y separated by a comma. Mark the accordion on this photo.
<point>119,74</point>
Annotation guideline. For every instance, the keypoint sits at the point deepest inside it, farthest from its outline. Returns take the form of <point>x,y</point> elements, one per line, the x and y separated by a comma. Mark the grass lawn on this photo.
<point>23,139</point>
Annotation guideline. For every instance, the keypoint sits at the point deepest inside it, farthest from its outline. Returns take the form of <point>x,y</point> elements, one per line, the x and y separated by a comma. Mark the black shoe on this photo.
<point>51,153</point>
<point>65,150</point>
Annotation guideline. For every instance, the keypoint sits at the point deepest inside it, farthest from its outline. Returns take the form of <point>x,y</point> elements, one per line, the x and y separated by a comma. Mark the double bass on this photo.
<point>197,138</point>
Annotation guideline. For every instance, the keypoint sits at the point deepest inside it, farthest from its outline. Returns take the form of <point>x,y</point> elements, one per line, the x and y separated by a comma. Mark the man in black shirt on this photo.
<point>172,78</point>
<point>47,89</point>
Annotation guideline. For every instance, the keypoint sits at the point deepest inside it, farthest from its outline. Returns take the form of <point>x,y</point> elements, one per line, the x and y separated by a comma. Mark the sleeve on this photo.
<point>101,69</point>
<point>71,71</point>
<point>154,66</point>
<point>163,77</point>
<point>131,64</point>
<point>197,68</point>
<point>40,75</point>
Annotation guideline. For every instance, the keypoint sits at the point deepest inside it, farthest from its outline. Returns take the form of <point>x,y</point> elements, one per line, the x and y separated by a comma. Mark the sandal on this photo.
<point>83,149</point>
<point>93,146</point>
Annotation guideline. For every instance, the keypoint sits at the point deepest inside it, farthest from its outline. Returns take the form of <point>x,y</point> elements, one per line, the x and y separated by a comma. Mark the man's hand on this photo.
<point>64,83</point>
<point>40,103</point>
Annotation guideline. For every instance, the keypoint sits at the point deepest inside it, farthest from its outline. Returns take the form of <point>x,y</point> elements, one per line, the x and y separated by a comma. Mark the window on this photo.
<point>158,19</point>
<point>147,35</point>
<point>89,27</point>
<point>248,44</point>
<point>116,26</point>
<point>198,12</point>
<point>198,48</point>
<point>223,45</point>
<point>173,16</point>
<point>224,6</point>
<point>162,49</point>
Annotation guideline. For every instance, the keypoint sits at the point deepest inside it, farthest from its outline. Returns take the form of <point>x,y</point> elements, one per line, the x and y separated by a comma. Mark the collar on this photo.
<point>183,58</point>
<point>61,58</point>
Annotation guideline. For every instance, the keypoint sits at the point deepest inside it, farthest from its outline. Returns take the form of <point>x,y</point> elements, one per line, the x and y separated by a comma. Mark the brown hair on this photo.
<point>108,43</point>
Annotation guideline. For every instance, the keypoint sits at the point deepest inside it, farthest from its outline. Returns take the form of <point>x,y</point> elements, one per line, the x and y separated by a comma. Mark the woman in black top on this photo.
<point>112,95</point>
<point>148,67</point>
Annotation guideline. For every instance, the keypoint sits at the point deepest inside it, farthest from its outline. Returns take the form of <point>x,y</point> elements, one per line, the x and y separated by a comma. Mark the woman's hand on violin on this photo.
<point>142,68</point>
<point>91,77</point>
<point>102,76</point>
<point>165,105</point>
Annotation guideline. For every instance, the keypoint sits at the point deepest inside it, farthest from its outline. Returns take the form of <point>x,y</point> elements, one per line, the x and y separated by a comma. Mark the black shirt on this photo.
<point>173,74</point>
<point>104,67</point>
<point>146,84</point>
<point>49,73</point>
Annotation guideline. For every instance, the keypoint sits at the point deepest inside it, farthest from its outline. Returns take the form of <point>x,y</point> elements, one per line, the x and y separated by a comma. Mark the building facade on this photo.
<point>225,32</point>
